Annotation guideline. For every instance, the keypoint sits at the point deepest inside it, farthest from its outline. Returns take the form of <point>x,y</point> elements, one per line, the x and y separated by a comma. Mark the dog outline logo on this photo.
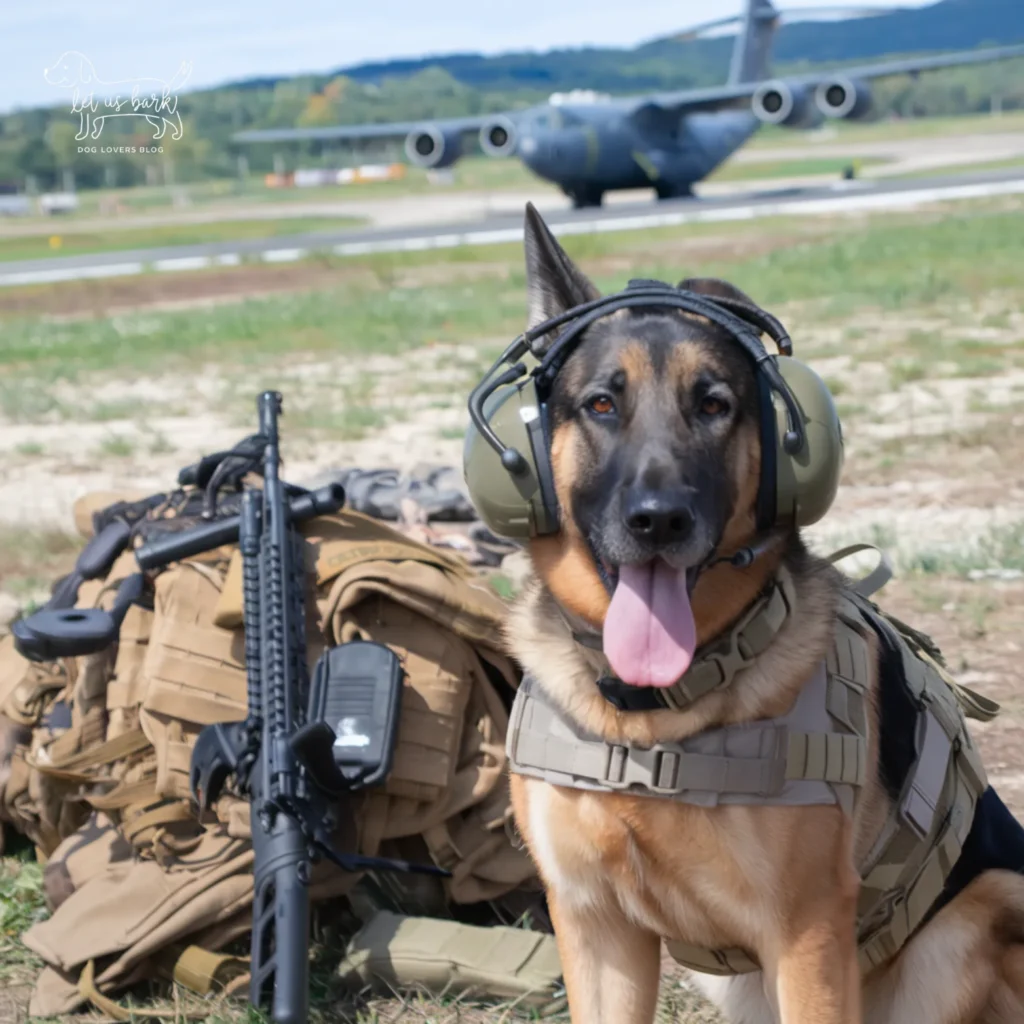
<point>153,99</point>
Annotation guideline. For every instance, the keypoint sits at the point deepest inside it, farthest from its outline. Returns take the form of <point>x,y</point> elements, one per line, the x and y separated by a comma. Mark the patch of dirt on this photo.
<point>978,626</point>
<point>219,285</point>
<point>14,999</point>
<point>180,290</point>
<point>384,411</point>
<point>934,462</point>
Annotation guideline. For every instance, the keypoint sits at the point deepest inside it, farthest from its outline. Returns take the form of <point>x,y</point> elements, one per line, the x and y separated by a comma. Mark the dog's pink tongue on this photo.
<point>649,633</point>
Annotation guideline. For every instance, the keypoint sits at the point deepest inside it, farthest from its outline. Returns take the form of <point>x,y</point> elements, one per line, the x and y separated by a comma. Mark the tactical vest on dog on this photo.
<point>814,754</point>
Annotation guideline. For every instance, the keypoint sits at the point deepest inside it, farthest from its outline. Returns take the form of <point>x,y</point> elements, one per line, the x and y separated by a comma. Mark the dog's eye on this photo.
<point>602,405</point>
<point>711,406</point>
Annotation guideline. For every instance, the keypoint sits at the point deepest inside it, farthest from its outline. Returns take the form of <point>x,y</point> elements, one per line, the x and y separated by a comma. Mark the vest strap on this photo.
<point>769,761</point>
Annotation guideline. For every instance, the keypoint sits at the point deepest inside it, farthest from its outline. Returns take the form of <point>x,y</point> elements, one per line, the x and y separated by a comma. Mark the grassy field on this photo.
<point>914,319</point>
<point>885,262</point>
<point>896,129</point>
<point>985,165</point>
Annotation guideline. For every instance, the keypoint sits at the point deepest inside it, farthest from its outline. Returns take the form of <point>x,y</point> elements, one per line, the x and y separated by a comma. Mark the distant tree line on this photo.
<point>39,145</point>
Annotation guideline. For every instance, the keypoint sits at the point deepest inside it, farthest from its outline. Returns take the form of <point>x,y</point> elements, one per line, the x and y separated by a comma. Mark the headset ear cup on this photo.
<point>518,505</point>
<point>806,481</point>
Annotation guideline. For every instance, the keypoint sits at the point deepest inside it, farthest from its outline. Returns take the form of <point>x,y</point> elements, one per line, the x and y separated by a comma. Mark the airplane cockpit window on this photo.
<point>546,119</point>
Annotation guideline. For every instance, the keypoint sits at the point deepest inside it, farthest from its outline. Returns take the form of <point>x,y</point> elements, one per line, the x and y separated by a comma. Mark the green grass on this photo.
<point>1001,548</point>
<point>946,352</point>
<point>882,263</point>
<point>894,130</point>
<point>116,446</point>
<point>804,167</point>
<point>347,420</point>
<point>30,560</point>
<point>21,906</point>
<point>887,262</point>
<point>66,240</point>
<point>986,165</point>
<point>343,321</point>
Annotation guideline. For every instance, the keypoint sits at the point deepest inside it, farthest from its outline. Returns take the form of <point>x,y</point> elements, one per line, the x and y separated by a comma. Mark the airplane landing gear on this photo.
<point>585,197</point>
<point>668,190</point>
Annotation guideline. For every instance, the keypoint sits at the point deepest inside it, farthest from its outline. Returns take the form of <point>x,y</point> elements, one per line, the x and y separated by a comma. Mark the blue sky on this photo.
<point>126,39</point>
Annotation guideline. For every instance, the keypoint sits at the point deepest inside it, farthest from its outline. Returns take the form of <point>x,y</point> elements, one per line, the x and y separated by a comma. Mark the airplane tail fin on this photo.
<point>751,55</point>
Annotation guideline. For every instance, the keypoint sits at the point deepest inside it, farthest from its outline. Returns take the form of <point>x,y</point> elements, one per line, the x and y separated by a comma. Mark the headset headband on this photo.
<point>742,321</point>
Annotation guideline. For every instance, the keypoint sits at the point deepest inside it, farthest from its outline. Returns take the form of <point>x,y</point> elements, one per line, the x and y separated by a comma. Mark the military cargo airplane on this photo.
<point>665,141</point>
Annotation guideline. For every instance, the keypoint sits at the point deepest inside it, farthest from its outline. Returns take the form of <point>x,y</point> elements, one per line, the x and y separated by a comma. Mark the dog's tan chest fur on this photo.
<point>698,875</point>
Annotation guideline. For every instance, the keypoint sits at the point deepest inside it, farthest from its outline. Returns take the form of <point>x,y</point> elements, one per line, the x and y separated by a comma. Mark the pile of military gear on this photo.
<point>106,692</point>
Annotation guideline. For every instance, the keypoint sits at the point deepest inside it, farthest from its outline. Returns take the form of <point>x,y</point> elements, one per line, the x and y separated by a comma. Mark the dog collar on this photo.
<point>715,665</point>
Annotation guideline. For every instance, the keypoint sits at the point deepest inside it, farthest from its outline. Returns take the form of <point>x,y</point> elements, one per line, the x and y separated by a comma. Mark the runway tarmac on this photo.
<point>834,198</point>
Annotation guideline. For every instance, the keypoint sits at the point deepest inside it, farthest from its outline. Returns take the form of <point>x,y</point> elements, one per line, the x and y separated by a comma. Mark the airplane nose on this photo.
<point>538,152</point>
<point>553,154</point>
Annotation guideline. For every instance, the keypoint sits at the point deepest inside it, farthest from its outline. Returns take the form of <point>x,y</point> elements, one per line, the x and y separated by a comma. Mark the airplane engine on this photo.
<point>843,97</point>
<point>432,148</point>
<point>498,137</point>
<point>783,103</point>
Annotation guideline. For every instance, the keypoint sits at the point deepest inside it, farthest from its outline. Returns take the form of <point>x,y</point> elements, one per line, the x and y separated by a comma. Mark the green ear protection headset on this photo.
<point>506,458</point>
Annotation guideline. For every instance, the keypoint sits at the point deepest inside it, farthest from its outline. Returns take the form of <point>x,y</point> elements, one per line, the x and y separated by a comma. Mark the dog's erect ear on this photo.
<point>715,288</point>
<point>553,282</point>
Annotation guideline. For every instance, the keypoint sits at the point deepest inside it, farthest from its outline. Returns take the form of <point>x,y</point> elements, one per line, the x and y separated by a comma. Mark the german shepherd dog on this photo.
<point>656,411</point>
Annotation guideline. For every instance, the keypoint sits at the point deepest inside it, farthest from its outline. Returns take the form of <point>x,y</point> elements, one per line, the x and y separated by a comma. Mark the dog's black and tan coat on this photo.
<point>656,455</point>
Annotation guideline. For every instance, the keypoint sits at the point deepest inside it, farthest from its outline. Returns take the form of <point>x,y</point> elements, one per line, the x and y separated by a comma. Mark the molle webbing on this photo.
<point>717,664</point>
<point>785,760</point>
<point>907,869</point>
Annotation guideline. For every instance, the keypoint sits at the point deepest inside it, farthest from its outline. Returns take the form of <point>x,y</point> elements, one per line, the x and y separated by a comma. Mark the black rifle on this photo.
<point>296,774</point>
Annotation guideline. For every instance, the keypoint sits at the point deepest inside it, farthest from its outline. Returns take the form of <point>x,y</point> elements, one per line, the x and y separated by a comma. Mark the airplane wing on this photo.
<point>360,132</point>
<point>725,96</point>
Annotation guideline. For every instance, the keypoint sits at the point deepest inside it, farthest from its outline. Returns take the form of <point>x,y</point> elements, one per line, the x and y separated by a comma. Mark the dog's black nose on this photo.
<point>659,517</point>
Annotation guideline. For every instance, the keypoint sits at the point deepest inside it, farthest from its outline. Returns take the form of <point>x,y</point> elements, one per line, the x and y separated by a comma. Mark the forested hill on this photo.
<point>669,63</point>
<point>949,25</point>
